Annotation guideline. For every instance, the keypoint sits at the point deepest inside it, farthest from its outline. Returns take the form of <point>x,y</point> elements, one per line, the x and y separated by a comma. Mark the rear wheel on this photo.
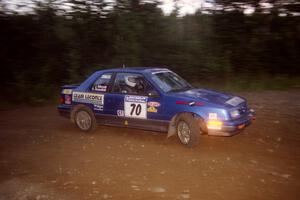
<point>188,129</point>
<point>85,120</point>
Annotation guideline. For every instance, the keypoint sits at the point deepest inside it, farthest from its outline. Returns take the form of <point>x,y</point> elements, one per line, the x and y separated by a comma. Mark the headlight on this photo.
<point>235,114</point>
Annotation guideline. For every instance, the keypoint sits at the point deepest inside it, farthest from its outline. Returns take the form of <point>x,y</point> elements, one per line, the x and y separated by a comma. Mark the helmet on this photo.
<point>130,81</point>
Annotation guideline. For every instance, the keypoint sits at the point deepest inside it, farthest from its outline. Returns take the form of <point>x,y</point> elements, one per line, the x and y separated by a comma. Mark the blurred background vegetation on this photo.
<point>219,47</point>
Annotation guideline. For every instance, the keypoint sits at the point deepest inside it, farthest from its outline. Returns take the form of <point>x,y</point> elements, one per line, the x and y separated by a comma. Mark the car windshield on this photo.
<point>170,82</point>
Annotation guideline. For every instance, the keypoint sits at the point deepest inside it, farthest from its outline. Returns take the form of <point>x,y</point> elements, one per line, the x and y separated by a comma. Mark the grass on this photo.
<point>30,96</point>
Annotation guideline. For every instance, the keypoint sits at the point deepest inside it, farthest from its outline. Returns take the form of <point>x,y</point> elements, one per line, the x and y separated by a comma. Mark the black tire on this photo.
<point>194,126</point>
<point>84,112</point>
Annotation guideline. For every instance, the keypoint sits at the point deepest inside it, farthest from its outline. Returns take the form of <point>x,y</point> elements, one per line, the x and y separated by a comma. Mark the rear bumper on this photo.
<point>64,110</point>
<point>235,127</point>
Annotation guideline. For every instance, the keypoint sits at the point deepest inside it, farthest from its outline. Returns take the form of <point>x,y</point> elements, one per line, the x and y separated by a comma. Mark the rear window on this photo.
<point>102,83</point>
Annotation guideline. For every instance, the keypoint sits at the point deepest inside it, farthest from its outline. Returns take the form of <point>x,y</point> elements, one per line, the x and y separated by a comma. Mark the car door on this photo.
<point>102,86</point>
<point>132,104</point>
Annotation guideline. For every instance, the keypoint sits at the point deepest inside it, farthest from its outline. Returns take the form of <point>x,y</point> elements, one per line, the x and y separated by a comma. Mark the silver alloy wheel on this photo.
<point>184,132</point>
<point>83,120</point>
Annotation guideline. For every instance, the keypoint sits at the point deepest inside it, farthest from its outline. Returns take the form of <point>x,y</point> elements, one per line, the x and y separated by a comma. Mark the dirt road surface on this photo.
<point>42,156</point>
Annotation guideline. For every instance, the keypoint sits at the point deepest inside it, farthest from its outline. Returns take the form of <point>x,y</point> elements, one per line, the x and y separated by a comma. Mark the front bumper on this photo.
<point>234,127</point>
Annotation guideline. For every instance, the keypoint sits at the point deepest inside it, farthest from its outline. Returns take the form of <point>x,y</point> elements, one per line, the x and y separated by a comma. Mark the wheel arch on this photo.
<point>172,124</point>
<point>76,108</point>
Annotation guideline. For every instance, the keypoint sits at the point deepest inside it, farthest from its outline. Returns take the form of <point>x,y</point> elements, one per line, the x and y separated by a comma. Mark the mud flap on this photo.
<point>172,127</point>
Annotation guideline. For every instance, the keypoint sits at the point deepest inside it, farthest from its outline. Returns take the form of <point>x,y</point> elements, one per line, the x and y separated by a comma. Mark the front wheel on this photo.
<point>188,129</point>
<point>85,120</point>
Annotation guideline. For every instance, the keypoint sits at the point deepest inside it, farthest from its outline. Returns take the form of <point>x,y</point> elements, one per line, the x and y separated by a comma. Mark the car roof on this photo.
<point>134,69</point>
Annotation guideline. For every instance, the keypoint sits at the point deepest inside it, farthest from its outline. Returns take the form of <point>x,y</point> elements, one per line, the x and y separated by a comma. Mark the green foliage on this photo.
<point>40,52</point>
<point>251,82</point>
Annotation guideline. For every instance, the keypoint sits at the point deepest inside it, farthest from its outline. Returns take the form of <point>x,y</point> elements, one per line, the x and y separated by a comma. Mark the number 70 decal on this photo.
<point>135,107</point>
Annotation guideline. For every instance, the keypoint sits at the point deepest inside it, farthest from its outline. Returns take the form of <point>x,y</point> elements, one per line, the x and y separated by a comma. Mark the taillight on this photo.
<point>65,99</point>
<point>62,100</point>
<point>68,99</point>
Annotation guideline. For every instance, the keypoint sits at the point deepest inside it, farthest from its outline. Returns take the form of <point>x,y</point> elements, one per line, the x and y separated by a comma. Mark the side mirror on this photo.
<point>153,93</point>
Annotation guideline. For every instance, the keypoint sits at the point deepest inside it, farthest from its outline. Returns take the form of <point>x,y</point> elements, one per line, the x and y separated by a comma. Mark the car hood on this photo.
<point>211,96</point>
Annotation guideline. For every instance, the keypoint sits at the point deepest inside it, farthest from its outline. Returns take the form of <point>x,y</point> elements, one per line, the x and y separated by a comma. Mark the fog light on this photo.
<point>217,125</point>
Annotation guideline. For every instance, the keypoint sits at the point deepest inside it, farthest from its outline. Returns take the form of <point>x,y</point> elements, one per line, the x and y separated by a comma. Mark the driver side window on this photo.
<point>130,83</point>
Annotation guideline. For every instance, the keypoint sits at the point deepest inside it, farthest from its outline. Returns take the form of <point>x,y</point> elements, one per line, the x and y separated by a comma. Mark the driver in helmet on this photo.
<point>133,84</point>
<point>130,84</point>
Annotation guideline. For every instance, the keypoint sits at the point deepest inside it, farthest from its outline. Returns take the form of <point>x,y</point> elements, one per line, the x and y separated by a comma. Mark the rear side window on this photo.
<point>102,83</point>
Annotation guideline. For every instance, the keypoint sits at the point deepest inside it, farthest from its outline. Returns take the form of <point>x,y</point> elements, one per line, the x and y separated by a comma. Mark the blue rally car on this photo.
<point>154,99</point>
